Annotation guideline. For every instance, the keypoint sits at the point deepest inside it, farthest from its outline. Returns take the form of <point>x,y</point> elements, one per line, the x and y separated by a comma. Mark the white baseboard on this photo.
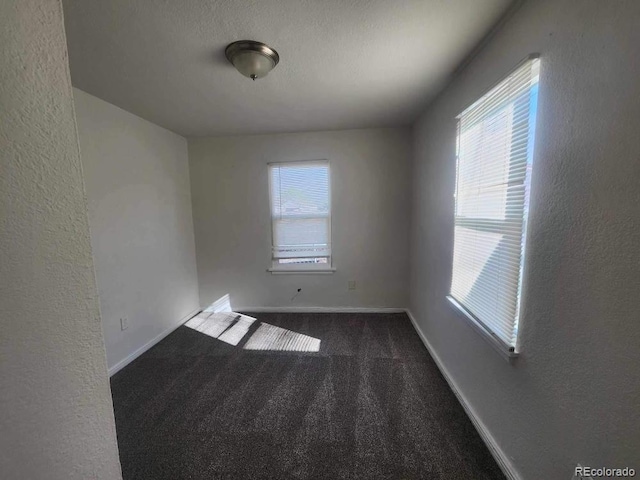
<point>501,458</point>
<point>319,309</point>
<point>130,358</point>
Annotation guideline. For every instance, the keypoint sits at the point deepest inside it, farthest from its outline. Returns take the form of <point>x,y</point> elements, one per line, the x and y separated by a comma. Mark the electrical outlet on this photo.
<point>124,323</point>
<point>352,284</point>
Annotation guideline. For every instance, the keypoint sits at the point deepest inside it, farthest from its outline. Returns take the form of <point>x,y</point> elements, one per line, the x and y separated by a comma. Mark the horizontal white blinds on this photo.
<point>300,209</point>
<point>495,147</point>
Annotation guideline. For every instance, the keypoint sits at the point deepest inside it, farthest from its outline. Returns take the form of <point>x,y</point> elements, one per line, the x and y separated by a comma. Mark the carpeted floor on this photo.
<point>369,404</point>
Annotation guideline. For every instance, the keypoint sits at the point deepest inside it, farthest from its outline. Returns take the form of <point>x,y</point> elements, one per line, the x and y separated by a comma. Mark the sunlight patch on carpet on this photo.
<point>270,337</point>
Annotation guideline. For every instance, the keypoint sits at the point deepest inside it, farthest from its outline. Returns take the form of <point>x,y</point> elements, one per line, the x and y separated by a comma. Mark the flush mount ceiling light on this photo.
<point>252,59</point>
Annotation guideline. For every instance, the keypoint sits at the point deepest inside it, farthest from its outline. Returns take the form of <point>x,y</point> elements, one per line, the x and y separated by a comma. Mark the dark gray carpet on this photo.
<point>371,404</point>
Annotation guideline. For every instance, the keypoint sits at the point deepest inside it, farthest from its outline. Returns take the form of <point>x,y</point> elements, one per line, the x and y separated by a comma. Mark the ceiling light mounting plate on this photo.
<point>252,59</point>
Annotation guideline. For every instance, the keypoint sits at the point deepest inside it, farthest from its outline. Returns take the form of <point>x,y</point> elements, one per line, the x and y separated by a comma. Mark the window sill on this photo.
<point>498,345</point>
<point>301,271</point>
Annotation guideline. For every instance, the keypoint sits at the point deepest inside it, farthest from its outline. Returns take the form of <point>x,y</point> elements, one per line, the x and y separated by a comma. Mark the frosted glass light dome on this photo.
<point>252,59</point>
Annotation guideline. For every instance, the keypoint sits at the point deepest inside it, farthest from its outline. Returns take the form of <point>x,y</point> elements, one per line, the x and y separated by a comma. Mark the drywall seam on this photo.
<point>130,358</point>
<point>501,458</point>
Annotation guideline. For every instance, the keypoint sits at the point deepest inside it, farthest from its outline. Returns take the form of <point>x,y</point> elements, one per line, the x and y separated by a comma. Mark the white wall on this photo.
<point>137,177</point>
<point>574,395</point>
<point>56,415</point>
<point>370,218</point>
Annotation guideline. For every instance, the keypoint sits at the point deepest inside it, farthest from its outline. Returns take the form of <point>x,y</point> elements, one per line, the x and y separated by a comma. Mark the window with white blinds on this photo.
<point>300,214</point>
<point>494,154</point>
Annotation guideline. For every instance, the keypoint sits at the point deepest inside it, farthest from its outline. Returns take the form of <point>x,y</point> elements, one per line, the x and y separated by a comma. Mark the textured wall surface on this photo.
<point>370,218</point>
<point>574,395</point>
<point>56,416</point>
<point>137,178</point>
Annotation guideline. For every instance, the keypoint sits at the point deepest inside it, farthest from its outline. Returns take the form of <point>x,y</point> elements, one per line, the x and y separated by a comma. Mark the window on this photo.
<point>300,216</point>
<point>494,154</point>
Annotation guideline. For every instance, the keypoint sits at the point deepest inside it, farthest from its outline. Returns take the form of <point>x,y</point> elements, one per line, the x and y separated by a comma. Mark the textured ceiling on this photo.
<point>344,63</point>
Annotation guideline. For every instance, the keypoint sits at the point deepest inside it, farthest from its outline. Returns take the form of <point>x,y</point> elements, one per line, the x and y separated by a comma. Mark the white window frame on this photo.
<point>300,268</point>
<point>508,350</point>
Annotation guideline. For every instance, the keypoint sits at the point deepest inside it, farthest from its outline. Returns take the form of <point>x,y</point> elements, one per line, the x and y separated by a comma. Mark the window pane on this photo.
<point>302,236</point>
<point>300,209</point>
<point>299,190</point>
<point>495,145</point>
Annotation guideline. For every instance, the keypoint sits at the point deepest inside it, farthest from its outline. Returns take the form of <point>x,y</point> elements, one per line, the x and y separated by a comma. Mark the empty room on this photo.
<point>320,240</point>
